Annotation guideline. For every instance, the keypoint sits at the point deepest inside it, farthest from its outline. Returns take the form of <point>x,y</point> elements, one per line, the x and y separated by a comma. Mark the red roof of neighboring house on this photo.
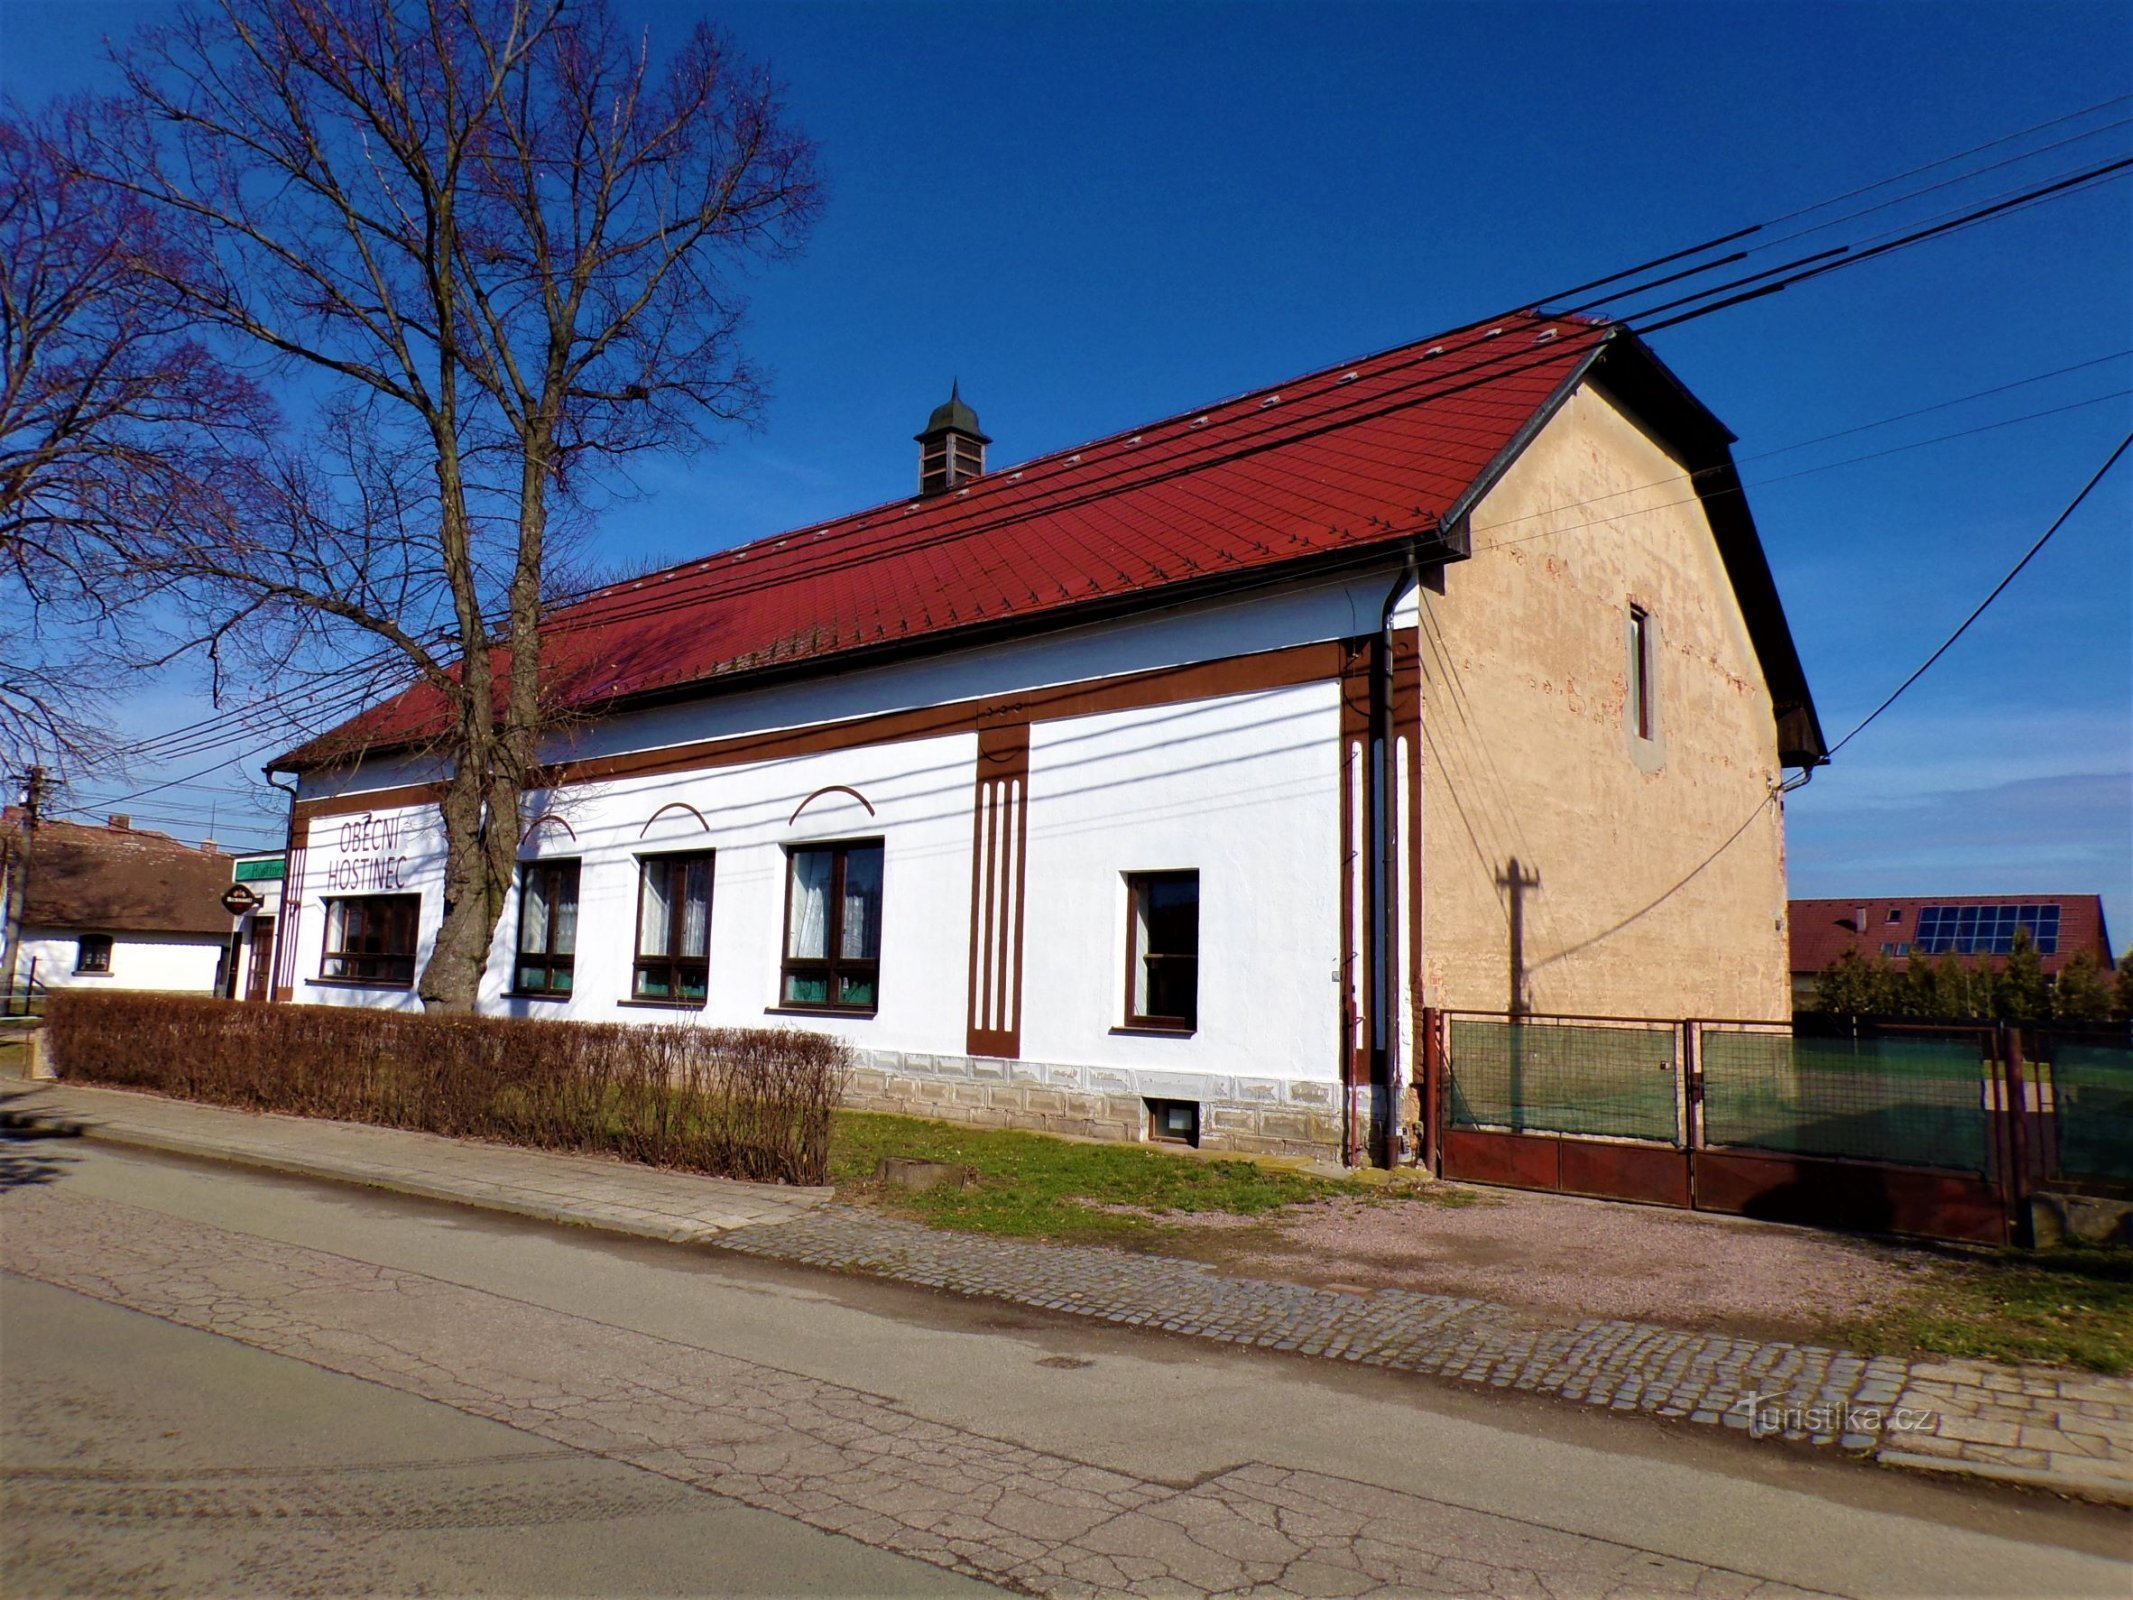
<point>1822,930</point>
<point>1357,458</point>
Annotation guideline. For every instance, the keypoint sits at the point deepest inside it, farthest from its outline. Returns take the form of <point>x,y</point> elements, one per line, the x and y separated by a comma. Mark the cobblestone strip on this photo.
<point>2065,1430</point>
<point>823,1454</point>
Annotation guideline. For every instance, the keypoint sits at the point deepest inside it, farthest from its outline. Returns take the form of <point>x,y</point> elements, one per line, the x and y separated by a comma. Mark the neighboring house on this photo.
<point>120,907</point>
<point>1931,926</point>
<point>248,974</point>
<point>1152,788</point>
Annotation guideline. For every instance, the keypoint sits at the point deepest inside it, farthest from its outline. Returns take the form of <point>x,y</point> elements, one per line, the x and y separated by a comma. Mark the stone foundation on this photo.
<point>1256,1116</point>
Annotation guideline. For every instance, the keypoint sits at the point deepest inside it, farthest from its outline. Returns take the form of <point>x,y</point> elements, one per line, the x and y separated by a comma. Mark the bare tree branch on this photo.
<point>497,240</point>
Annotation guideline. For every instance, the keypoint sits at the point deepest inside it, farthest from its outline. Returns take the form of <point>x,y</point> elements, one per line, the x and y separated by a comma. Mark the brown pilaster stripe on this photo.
<point>999,832</point>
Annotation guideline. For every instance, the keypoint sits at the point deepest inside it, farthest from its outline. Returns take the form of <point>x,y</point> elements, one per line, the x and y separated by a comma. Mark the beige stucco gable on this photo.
<point>1660,861</point>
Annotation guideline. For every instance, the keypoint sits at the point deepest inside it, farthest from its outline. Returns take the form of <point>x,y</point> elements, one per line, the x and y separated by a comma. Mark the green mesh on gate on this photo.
<point>1916,1101</point>
<point>1547,1077</point>
<point>2092,1088</point>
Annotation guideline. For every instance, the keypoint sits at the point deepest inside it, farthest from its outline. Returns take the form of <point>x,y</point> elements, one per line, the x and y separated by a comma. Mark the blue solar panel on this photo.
<point>1986,930</point>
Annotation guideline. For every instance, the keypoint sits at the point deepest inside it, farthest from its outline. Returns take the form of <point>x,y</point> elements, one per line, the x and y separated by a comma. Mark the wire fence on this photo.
<point>1918,1101</point>
<point>2092,1109</point>
<point>1618,1081</point>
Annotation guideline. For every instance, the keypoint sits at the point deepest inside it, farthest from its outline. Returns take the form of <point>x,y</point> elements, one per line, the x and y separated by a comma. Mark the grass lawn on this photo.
<point>1032,1186</point>
<point>2072,1305</point>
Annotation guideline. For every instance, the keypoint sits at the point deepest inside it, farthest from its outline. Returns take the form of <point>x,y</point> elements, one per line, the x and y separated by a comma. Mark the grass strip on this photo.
<point>1035,1186</point>
<point>2071,1306</point>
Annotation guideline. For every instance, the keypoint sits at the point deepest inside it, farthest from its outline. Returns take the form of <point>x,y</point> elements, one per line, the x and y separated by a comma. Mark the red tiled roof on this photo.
<point>1353,458</point>
<point>1822,930</point>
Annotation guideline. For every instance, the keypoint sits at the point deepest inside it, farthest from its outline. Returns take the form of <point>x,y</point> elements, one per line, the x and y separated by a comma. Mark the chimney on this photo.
<point>209,847</point>
<point>952,449</point>
<point>121,821</point>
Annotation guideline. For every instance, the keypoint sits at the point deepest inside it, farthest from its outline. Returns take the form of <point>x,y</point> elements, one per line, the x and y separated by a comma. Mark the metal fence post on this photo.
<point>2020,1228</point>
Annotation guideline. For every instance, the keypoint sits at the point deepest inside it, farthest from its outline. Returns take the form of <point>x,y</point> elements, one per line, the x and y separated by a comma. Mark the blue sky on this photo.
<point>1095,215</point>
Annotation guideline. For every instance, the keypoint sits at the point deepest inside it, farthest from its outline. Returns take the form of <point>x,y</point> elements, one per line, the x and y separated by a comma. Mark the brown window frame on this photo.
<point>1160,1022</point>
<point>371,969</point>
<point>1640,672</point>
<point>833,968</point>
<point>550,963</point>
<point>671,961</point>
<point>98,966</point>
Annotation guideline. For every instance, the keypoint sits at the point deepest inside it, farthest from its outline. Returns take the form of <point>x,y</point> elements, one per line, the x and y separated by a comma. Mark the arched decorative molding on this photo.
<point>835,788</point>
<point>673,805</point>
<point>547,816</point>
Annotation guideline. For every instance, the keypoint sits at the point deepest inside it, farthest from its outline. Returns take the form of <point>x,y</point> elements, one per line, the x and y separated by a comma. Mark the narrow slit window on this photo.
<point>1640,672</point>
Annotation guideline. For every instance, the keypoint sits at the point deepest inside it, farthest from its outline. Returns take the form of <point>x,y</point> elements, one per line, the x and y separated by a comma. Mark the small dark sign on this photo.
<point>239,898</point>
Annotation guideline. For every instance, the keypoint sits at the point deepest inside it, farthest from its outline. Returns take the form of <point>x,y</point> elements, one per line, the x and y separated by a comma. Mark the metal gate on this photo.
<point>1890,1130</point>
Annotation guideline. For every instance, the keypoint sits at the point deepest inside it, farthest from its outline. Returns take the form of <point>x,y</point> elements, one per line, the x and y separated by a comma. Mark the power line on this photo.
<point>333,699</point>
<point>1738,234</point>
<point>344,697</point>
<point>2058,522</point>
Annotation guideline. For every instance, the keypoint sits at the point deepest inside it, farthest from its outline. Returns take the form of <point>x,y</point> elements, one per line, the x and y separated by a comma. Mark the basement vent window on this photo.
<point>1174,1122</point>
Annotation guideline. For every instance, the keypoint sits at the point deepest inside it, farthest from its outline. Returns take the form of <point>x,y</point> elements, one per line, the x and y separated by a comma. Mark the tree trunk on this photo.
<point>473,890</point>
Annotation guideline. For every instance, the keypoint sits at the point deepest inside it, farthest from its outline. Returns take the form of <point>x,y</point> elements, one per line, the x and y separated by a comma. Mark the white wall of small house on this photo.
<point>181,963</point>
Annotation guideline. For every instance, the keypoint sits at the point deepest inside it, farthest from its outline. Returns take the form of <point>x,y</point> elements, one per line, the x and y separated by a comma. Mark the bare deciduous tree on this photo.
<point>496,245</point>
<point>117,424</point>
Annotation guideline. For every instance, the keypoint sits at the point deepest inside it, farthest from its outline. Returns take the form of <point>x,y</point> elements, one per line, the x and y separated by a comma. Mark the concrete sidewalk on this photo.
<point>2047,1428</point>
<point>617,1196</point>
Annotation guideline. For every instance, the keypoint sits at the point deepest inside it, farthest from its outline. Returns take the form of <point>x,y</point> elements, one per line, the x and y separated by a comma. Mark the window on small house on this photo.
<point>1640,672</point>
<point>547,927</point>
<point>371,940</point>
<point>833,927</point>
<point>1163,950</point>
<point>673,929</point>
<point>92,953</point>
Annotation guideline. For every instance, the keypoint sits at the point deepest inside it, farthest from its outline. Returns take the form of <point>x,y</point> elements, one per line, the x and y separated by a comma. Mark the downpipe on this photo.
<point>285,923</point>
<point>1384,910</point>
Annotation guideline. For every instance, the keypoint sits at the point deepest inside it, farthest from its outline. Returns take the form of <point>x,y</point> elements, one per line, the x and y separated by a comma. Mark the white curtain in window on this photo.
<point>861,934</point>
<point>808,913</point>
<point>655,909</point>
<point>696,909</point>
<point>336,924</point>
<point>533,915</point>
<point>566,913</point>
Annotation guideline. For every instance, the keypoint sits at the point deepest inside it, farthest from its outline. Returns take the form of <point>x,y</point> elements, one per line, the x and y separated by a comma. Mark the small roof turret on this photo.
<point>952,449</point>
<point>953,413</point>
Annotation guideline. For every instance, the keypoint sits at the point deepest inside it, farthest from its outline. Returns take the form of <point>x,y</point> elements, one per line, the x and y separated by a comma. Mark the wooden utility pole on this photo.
<point>14,891</point>
<point>1517,882</point>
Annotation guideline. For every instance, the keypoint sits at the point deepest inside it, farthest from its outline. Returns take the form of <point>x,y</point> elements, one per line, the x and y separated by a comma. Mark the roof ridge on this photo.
<point>857,521</point>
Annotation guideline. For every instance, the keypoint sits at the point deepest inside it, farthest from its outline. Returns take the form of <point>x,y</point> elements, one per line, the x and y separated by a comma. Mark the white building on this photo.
<point>248,974</point>
<point>1154,787</point>
<point>118,907</point>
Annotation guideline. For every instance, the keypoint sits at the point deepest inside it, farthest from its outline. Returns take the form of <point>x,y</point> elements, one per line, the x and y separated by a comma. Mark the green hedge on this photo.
<point>736,1102</point>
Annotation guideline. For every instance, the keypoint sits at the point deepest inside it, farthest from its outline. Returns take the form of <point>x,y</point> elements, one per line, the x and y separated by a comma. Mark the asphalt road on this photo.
<point>219,1382</point>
